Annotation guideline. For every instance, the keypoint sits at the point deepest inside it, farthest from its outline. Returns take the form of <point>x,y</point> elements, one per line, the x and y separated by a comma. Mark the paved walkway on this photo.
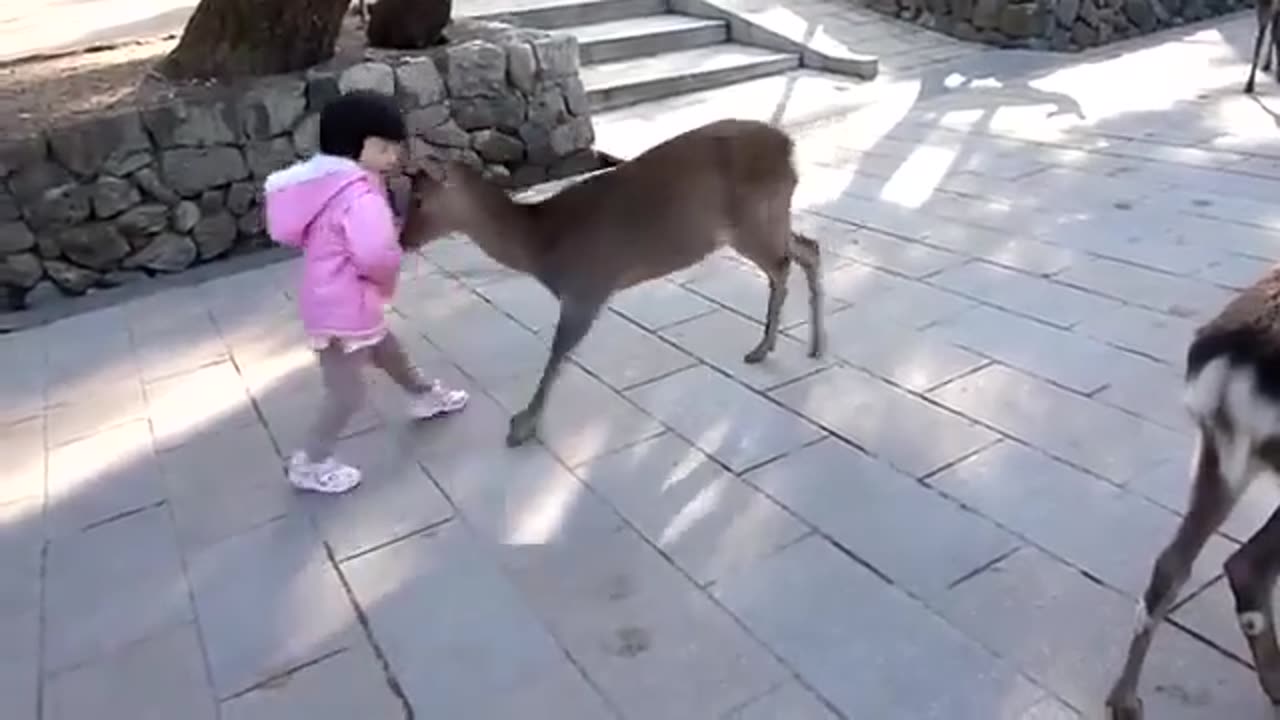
<point>950,517</point>
<point>51,26</point>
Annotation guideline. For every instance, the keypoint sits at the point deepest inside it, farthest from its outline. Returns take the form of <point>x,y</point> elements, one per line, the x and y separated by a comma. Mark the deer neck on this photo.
<point>504,229</point>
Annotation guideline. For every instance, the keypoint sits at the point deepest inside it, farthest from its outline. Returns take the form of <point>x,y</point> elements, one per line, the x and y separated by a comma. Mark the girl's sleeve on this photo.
<point>373,239</point>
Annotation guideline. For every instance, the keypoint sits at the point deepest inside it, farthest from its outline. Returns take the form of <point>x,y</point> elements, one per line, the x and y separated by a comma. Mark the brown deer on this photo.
<point>1268,13</point>
<point>406,24</point>
<point>726,183</point>
<point>1233,393</point>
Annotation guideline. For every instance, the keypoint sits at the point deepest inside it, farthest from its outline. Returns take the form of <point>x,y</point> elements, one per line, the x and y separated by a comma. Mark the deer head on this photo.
<point>438,206</point>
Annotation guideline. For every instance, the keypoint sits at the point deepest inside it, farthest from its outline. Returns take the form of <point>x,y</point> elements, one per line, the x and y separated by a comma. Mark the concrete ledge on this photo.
<point>773,26</point>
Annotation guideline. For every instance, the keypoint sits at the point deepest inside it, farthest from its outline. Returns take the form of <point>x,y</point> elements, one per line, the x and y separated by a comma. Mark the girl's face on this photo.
<point>380,155</point>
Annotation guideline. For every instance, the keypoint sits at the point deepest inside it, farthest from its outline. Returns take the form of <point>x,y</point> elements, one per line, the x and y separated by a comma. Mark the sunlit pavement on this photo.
<point>949,517</point>
<point>57,26</point>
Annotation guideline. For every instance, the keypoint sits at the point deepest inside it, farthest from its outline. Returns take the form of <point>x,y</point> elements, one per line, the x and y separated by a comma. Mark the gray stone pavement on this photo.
<point>949,517</point>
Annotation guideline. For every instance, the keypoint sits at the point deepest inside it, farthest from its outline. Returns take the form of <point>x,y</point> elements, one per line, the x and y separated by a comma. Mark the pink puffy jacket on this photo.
<point>337,213</point>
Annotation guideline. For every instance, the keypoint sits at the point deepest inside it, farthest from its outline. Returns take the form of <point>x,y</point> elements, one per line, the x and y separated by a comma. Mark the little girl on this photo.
<point>334,206</point>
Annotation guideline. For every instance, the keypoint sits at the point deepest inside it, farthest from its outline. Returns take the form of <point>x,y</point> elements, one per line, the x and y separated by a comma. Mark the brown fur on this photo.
<point>726,183</point>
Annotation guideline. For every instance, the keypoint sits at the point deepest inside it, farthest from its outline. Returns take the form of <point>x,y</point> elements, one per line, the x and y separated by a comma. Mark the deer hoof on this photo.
<point>756,355</point>
<point>523,427</point>
<point>817,349</point>
<point>1129,710</point>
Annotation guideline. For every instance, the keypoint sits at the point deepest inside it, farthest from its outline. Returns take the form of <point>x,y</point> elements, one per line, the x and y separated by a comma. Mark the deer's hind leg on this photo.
<point>1212,498</point>
<point>1273,47</point>
<point>766,240</point>
<point>806,253</point>
<point>1252,571</point>
<point>1264,23</point>
<point>777,269</point>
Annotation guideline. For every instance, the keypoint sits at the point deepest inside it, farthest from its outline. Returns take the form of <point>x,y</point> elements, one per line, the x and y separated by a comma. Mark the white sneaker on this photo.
<point>327,476</point>
<point>437,401</point>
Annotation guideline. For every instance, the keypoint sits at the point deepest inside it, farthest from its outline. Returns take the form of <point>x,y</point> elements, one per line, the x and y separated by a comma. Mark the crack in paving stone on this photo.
<point>121,516</point>
<point>283,677</point>
<point>982,568</point>
<point>393,683</point>
<point>43,624</point>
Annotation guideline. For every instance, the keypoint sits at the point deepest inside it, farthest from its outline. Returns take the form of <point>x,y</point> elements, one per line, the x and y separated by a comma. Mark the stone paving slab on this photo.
<point>1042,500</point>
<point>868,663</point>
<point>268,602</point>
<point>1029,609</point>
<point>729,422</point>
<point>791,700</point>
<point>870,413</point>
<point>865,515</point>
<point>110,587</point>
<point>224,484</point>
<point>19,675</point>
<point>401,501</point>
<point>949,516</point>
<point>349,684</point>
<point>161,676</point>
<point>646,636</point>
<point>707,520</point>
<point>1067,426</point>
<point>492,656</point>
<point>1063,358</point>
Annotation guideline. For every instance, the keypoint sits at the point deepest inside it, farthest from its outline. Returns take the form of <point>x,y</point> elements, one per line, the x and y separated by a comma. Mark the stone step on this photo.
<point>627,82</point>
<point>648,35</point>
<point>794,100</point>
<point>553,14</point>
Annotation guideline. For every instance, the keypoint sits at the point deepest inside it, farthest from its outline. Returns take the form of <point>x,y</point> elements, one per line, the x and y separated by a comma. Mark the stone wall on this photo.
<point>117,199</point>
<point>1053,24</point>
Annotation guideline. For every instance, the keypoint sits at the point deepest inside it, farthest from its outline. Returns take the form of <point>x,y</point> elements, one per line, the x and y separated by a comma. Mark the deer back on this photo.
<point>673,204</point>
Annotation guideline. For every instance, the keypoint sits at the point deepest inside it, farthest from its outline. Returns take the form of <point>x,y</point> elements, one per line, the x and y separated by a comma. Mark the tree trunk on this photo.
<point>227,39</point>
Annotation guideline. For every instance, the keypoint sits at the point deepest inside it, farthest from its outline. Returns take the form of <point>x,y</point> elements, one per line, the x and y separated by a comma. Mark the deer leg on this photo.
<point>576,318</point>
<point>1263,20</point>
<point>1257,53</point>
<point>1273,47</point>
<point>1211,501</point>
<point>806,254</point>
<point>1251,571</point>
<point>777,295</point>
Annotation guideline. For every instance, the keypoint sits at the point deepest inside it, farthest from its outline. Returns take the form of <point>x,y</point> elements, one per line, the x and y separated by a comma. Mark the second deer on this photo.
<point>1232,390</point>
<point>726,183</point>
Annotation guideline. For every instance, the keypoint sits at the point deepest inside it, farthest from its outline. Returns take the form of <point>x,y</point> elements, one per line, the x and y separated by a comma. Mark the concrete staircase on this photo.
<point>634,51</point>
